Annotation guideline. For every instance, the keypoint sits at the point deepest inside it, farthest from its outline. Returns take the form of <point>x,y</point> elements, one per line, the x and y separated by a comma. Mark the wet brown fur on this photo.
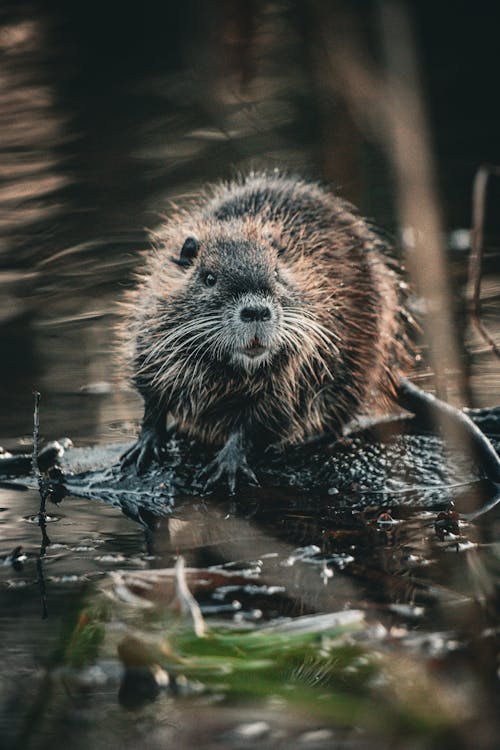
<point>337,270</point>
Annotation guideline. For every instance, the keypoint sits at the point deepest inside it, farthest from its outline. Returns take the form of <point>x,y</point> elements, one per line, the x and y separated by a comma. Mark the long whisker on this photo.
<point>308,322</point>
<point>184,365</point>
<point>301,331</point>
<point>166,340</point>
<point>311,333</point>
<point>167,336</point>
<point>173,351</point>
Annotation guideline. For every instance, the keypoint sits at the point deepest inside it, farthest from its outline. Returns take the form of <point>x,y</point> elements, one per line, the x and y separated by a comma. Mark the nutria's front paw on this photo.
<point>228,462</point>
<point>218,469</point>
<point>148,448</point>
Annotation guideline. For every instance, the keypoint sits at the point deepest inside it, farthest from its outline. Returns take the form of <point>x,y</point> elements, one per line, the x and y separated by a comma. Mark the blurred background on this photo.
<point>109,110</point>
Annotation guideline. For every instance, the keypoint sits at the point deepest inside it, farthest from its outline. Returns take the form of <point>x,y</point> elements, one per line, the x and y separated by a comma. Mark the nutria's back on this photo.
<point>268,308</point>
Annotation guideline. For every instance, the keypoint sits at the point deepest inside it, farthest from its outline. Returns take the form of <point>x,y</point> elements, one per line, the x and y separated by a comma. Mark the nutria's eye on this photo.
<point>209,279</point>
<point>276,273</point>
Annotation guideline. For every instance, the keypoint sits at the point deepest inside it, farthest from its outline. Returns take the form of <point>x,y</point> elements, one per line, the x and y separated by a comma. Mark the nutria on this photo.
<point>268,312</point>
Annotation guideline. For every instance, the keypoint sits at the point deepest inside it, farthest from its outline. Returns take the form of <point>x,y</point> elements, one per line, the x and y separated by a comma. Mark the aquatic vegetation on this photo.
<point>324,667</point>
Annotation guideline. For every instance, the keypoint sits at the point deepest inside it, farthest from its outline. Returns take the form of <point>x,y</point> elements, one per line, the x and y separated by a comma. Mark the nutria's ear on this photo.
<point>189,251</point>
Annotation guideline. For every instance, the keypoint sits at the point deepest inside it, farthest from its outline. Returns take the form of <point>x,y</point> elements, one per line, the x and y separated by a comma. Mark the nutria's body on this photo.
<point>267,312</point>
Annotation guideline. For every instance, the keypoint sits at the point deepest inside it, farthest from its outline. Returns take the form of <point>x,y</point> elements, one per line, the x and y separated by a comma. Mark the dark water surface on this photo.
<point>105,115</point>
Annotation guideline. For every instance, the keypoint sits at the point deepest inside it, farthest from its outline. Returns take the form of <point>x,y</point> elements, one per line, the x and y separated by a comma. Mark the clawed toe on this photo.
<point>250,475</point>
<point>209,475</point>
<point>129,457</point>
<point>212,480</point>
<point>143,453</point>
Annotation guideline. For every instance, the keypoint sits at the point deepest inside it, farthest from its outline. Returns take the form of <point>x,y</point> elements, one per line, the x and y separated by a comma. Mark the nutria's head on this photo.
<point>239,297</point>
<point>230,295</point>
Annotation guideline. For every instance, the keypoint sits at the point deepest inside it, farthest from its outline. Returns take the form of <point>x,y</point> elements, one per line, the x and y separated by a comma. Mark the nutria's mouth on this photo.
<point>254,348</point>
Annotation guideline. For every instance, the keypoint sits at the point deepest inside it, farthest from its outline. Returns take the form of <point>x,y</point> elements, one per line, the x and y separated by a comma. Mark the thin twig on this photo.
<point>42,516</point>
<point>36,433</point>
<point>479,193</point>
<point>34,460</point>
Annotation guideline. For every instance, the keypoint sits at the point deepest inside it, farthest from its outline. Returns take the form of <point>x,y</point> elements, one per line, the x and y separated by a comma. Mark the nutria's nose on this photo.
<point>249,314</point>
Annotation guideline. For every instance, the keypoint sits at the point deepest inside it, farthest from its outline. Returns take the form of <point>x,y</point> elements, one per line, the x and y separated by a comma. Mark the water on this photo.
<point>100,124</point>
